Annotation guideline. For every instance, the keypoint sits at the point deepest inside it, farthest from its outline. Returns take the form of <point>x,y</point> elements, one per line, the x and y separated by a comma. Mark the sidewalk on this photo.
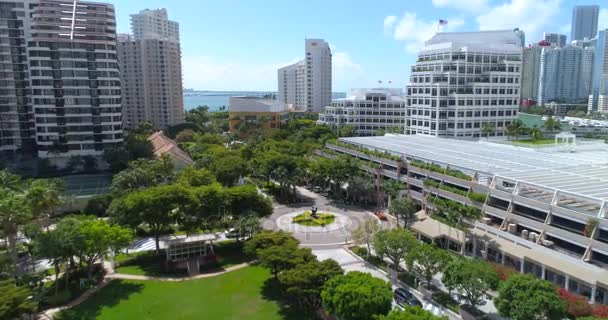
<point>173,279</point>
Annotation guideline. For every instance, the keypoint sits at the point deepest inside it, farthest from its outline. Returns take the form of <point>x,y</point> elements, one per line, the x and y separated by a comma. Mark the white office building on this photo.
<point>462,80</point>
<point>306,84</point>
<point>64,94</point>
<point>565,74</point>
<point>151,69</point>
<point>368,110</point>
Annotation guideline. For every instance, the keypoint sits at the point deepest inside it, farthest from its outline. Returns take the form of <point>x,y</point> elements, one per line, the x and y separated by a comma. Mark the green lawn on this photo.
<point>242,294</point>
<point>534,142</point>
<point>229,253</point>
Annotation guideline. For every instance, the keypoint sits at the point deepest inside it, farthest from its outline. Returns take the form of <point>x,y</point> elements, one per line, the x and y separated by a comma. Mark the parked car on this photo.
<point>381,215</point>
<point>405,298</point>
<point>316,189</point>
<point>231,233</point>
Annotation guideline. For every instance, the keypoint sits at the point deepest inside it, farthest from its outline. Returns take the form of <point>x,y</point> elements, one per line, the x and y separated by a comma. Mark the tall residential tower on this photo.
<point>598,99</point>
<point>63,93</point>
<point>306,84</point>
<point>464,80</point>
<point>150,63</point>
<point>584,22</point>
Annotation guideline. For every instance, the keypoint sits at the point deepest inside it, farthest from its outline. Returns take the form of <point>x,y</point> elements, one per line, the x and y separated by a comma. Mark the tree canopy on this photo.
<point>394,244</point>
<point>525,297</point>
<point>357,295</point>
<point>472,278</point>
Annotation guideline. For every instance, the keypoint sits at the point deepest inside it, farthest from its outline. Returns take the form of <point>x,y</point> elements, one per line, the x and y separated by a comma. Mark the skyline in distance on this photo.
<point>231,45</point>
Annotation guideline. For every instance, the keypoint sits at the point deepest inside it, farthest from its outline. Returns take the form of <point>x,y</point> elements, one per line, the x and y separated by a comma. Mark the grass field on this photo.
<point>534,142</point>
<point>242,294</point>
<point>306,219</point>
<point>228,253</point>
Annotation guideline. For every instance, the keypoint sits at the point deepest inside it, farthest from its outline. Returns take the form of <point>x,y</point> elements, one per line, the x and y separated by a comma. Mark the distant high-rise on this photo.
<point>598,100</point>
<point>555,39</point>
<point>151,70</point>
<point>584,22</point>
<point>463,80</point>
<point>306,84</point>
<point>63,94</point>
<point>565,74</point>
<point>530,73</point>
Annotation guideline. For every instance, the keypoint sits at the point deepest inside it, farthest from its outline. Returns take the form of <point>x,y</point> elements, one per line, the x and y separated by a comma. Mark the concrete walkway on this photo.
<point>123,276</point>
<point>50,313</point>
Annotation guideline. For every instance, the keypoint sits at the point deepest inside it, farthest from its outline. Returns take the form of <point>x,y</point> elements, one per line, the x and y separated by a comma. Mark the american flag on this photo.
<point>443,22</point>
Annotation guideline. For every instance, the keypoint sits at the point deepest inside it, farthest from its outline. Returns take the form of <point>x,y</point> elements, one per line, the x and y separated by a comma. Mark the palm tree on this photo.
<point>515,129</point>
<point>43,196</point>
<point>392,188</point>
<point>487,128</point>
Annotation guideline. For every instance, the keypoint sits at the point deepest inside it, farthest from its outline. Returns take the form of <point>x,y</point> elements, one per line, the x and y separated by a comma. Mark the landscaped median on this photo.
<point>317,220</point>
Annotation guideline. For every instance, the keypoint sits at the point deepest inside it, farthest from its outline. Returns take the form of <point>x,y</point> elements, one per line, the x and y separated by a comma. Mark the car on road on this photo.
<point>381,215</point>
<point>405,298</point>
<point>231,233</point>
<point>316,189</point>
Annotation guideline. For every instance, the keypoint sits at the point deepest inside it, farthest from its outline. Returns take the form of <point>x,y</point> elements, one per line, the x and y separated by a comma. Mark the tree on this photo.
<point>199,116</point>
<point>43,196</point>
<point>347,131</point>
<point>525,297</point>
<point>365,233</point>
<point>552,125</point>
<point>393,244</point>
<point>229,169</point>
<point>284,257</point>
<point>411,313</point>
<point>14,213</point>
<point>392,188</point>
<point>536,134</point>
<point>156,207</point>
<point>472,278</point>
<point>404,208</point>
<point>357,295</point>
<point>341,169</point>
<point>304,282</point>
<point>142,174</point>
<point>265,239</point>
<point>360,189</point>
<point>427,260</point>
<point>195,177</point>
<point>515,129</point>
<point>15,301</point>
<point>576,305</point>
<point>186,135</point>
<point>487,128</point>
<point>98,205</point>
<point>97,237</point>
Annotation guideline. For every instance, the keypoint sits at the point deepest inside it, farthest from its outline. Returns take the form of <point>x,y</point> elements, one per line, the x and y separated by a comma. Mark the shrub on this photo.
<point>478,197</point>
<point>408,278</point>
<point>577,306</point>
<point>600,311</point>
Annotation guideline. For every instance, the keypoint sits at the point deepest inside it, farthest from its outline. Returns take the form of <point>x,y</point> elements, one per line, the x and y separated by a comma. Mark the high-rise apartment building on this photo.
<point>531,72</point>
<point>306,84</point>
<point>584,22</point>
<point>367,111</point>
<point>565,74</point>
<point>462,80</point>
<point>598,99</point>
<point>151,70</point>
<point>63,93</point>
<point>555,39</point>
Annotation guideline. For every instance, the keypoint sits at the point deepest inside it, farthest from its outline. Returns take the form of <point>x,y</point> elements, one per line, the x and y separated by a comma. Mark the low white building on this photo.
<point>368,110</point>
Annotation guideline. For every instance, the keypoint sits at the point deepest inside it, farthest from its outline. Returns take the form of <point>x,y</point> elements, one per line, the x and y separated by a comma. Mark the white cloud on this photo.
<point>389,22</point>
<point>465,5</point>
<point>416,31</point>
<point>603,19</point>
<point>346,73</point>
<point>210,73</point>
<point>531,16</point>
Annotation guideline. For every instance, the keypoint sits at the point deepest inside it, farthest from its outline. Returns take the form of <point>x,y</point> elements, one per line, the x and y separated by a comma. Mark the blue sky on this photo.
<point>238,45</point>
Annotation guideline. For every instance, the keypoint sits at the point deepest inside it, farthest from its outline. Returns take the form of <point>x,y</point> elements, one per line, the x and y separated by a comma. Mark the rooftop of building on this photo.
<point>580,170</point>
<point>256,104</point>
<point>164,145</point>
<point>500,41</point>
<point>392,94</point>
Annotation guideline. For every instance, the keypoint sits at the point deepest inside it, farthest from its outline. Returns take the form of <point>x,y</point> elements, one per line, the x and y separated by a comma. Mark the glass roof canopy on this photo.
<point>583,173</point>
